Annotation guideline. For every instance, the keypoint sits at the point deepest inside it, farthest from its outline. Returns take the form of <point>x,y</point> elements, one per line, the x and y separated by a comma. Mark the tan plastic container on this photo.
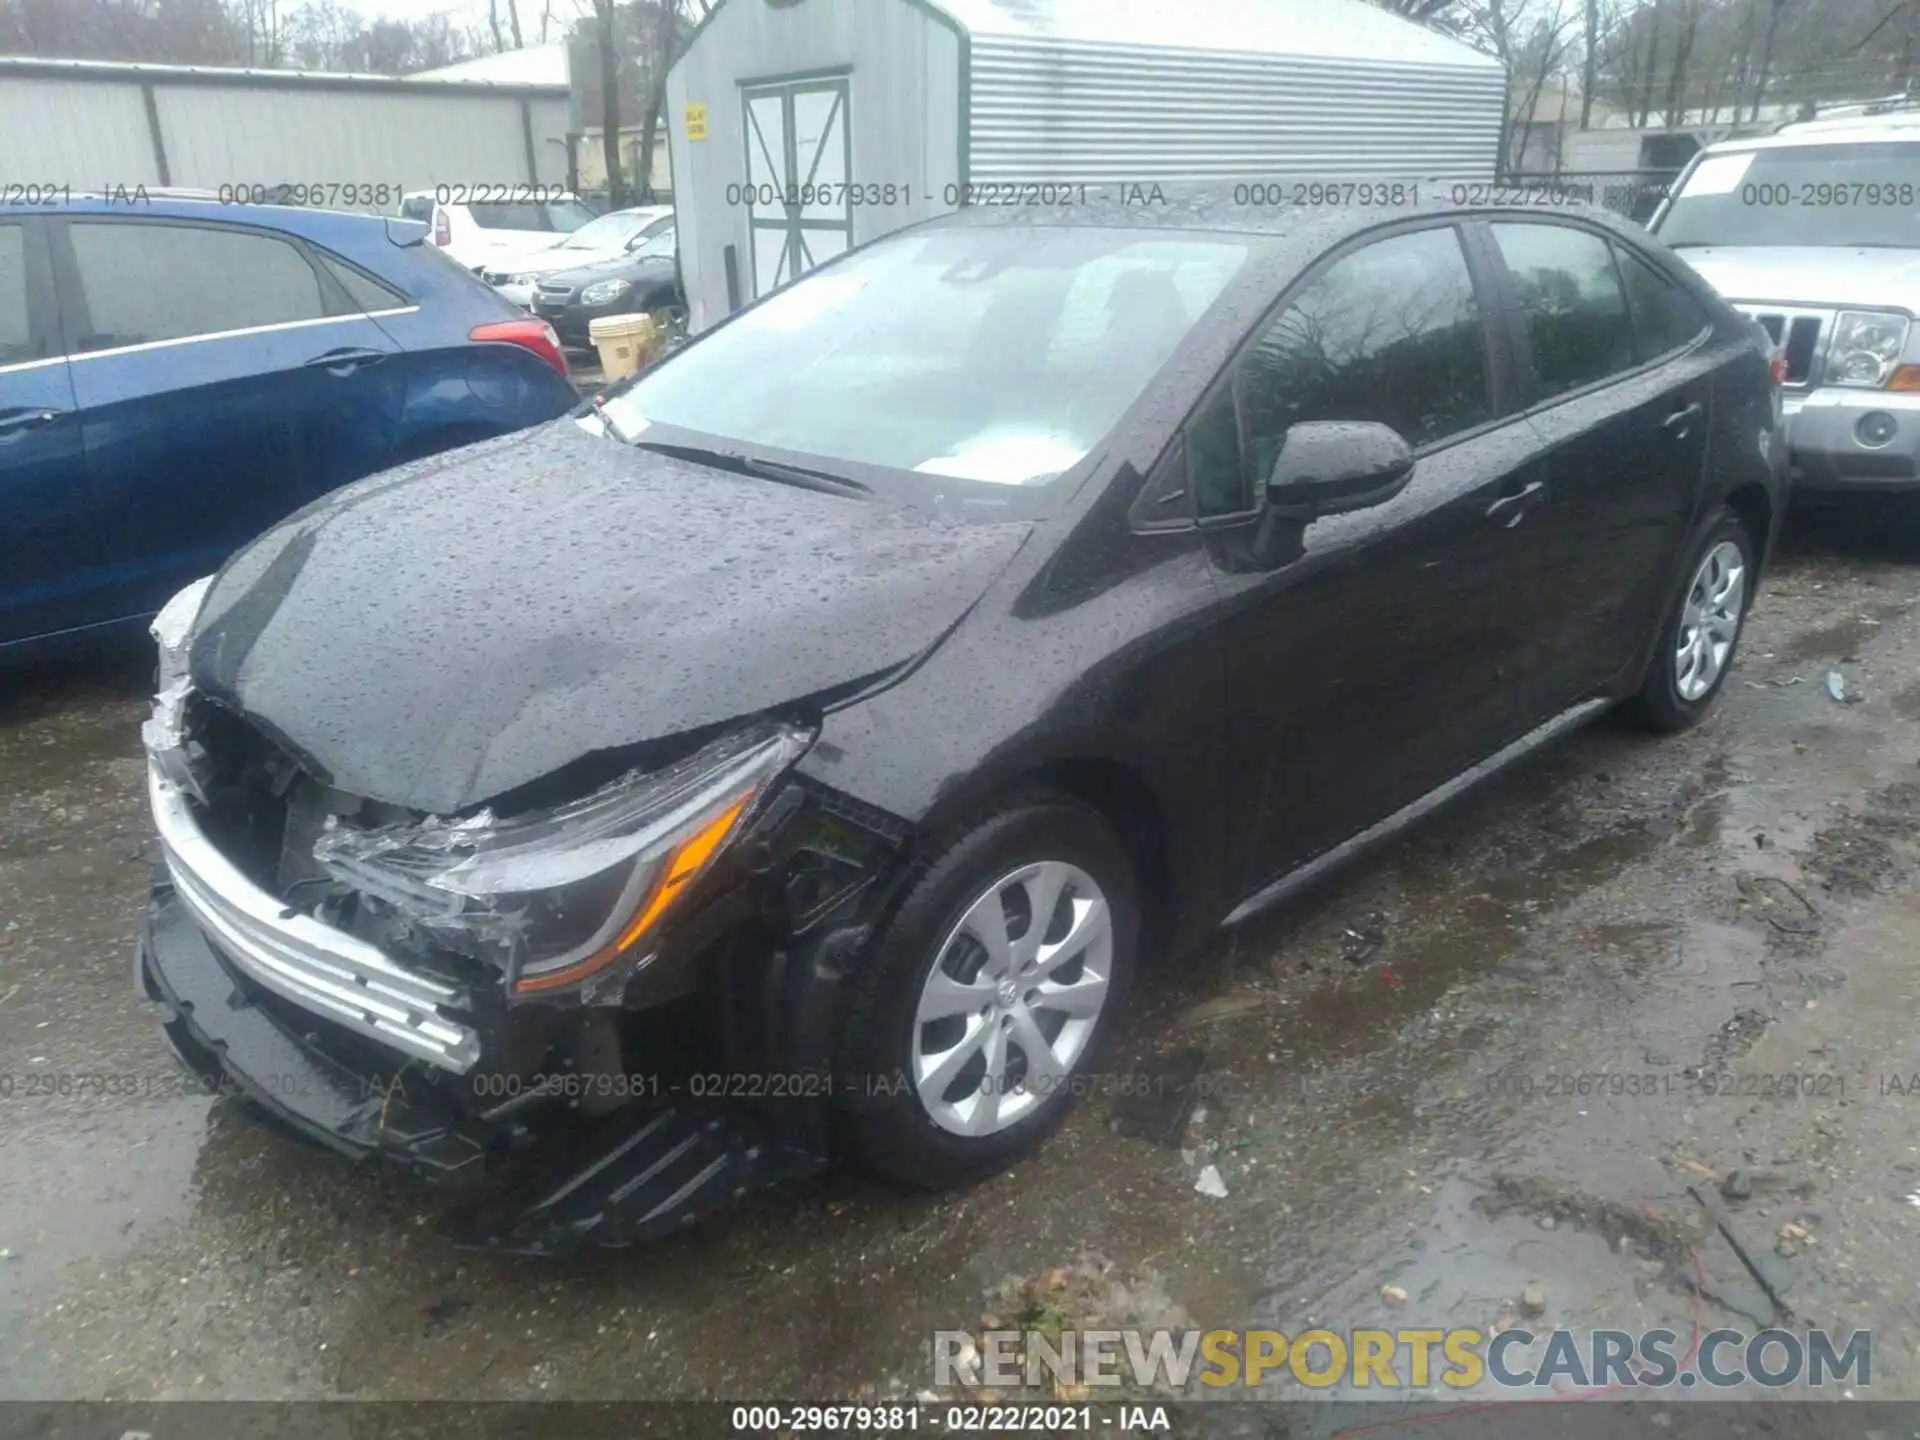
<point>623,342</point>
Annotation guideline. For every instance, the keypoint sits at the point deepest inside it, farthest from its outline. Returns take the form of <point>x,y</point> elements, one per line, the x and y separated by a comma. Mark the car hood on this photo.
<point>624,267</point>
<point>545,262</point>
<point>486,246</point>
<point>1811,275</point>
<point>449,631</point>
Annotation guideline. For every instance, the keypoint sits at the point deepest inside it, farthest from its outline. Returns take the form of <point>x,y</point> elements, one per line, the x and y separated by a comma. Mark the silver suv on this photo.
<point>1814,231</point>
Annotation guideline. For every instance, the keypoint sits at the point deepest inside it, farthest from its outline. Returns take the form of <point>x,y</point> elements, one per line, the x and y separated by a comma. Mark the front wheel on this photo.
<point>1701,633</point>
<point>985,1000</point>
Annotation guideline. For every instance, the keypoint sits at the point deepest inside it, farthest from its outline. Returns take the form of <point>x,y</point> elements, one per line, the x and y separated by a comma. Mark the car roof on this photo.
<point>1841,130</point>
<point>142,203</point>
<point>1227,209</point>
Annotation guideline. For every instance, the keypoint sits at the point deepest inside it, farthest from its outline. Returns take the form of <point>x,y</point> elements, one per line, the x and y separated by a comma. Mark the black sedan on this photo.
<point>644,281</point>
<point>797,754</point>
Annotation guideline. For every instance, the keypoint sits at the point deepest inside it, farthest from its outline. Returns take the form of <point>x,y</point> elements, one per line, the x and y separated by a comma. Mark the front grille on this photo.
<point>557,294</point>
<point>1798,333</point>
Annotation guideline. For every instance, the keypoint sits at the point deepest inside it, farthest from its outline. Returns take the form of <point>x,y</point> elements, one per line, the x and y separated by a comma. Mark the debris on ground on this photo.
<point>1737,1186</point>
<point>1360,946</point>
<point>1160,1112</point>
<point>1533,1299</point>
<point>1211,1184</point>
<point>1393,1295</point>
<point>1837,688</point>
<point>1784,907</point>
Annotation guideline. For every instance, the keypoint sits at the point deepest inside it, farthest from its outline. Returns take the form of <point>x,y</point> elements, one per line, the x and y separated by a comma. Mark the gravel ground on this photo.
<point>1736,903</point>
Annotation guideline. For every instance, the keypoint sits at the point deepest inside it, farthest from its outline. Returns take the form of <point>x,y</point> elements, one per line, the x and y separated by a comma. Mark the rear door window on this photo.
<point>1665,317</point>
<point>1572,310</point>
<point>142,283</point>
<point>16,330</point>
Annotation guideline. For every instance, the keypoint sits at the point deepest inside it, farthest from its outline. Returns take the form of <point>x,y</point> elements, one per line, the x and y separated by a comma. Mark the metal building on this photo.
<point>93,125</point>
<point>870,114</point>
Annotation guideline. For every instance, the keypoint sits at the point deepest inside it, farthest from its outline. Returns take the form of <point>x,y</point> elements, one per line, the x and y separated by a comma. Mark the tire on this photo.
<point>1670,699</point>
<point>1016,852</point>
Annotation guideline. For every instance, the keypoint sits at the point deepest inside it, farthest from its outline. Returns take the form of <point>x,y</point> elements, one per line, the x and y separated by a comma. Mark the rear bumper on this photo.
<point>1829,453</point>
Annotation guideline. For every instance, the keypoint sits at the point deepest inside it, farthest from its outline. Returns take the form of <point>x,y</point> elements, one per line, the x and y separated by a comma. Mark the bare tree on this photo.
<point>1589,61</point>
<point>606,27</point>
<point>1686,18</point>
<point>1531,38</point>
<point>663,49</point>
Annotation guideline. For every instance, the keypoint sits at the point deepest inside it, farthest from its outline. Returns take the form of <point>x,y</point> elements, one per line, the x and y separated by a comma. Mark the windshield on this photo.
<point>661,243</point>
<point>1000,355</point>
<point>609,232</point>
<point>1855,194</point>
<point>560,216</point>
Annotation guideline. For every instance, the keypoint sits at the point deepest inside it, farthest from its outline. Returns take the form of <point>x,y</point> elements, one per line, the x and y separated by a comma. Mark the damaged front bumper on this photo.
<point>539,1177</point>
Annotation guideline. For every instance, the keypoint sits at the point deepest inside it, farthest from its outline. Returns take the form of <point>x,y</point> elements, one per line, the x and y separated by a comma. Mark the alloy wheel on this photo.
<point>1710,620</point>
<point>1013,998</point>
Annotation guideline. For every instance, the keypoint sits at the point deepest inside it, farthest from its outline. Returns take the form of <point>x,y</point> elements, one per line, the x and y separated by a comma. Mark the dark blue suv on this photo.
<point>178,374</point>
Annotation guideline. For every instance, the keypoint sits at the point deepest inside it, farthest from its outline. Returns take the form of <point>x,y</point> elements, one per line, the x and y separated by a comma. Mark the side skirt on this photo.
<point>1317,869</point>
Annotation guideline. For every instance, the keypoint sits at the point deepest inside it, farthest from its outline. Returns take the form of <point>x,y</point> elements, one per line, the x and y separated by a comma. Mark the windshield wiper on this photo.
<point>743,464</point>
<point>612,425</point>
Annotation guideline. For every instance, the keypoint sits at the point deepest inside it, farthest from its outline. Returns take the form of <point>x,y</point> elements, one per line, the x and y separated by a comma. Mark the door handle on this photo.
<point>1680,423</point>
<point>17,422</point>
<point>346,360</point>
<point>1510,510</point>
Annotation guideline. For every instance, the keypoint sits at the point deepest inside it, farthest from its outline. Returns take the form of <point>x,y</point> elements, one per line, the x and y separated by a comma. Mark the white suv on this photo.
<point>479,225</point>
<point>1814,232</point>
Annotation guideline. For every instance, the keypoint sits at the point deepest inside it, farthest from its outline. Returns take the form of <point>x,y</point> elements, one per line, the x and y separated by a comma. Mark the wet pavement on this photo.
<point>1529,1046</point>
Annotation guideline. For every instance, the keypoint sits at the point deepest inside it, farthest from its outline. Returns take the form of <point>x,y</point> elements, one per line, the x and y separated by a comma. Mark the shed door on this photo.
<point>799,169</point>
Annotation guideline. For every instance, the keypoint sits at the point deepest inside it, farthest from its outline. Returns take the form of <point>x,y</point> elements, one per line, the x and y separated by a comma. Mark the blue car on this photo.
<point>178,374</point>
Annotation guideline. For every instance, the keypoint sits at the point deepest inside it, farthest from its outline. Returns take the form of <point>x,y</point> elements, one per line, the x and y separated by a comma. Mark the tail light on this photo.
<point>1779,365</point>
<point>535,335</point>
<point>442,228</point>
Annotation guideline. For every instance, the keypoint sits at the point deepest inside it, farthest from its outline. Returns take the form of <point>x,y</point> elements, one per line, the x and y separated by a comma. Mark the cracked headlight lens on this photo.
<point>1866,347</point>
<point>561,896</point>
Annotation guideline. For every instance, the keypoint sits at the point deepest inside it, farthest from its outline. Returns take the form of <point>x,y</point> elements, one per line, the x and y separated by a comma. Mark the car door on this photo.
<point>52,558</point>
<point>1371,652</point>
<point>224,380</point>
<point>1620,403</point>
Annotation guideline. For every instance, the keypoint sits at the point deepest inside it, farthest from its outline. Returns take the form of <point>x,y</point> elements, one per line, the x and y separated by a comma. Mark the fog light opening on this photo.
<point>1875,429</point>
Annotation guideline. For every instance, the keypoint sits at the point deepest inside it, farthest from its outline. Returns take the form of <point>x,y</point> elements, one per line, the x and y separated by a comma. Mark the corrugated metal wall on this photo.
<point>233,136</point>
<point>88,132</point>
<point>902,66</point>
<point>66,132</point>
<point>1076,111</point>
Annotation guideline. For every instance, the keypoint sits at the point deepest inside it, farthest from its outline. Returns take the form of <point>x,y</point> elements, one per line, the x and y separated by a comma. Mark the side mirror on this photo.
<point>1326,467</point>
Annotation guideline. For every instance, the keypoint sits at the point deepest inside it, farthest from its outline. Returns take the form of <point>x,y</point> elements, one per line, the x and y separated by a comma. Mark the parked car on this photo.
<point>1815,233</point>
<point>177,377</point>
<point>644,281</point>
<point>478,233</point>
<point>851,701</point>
<point>610,237</point>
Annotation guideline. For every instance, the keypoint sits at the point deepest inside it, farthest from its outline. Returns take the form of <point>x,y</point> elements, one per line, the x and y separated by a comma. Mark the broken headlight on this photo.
<point>557,897</point>
<point>172,628</point>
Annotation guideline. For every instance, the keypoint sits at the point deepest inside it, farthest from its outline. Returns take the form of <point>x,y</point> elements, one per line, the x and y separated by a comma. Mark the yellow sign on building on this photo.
<point>696,122</point>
